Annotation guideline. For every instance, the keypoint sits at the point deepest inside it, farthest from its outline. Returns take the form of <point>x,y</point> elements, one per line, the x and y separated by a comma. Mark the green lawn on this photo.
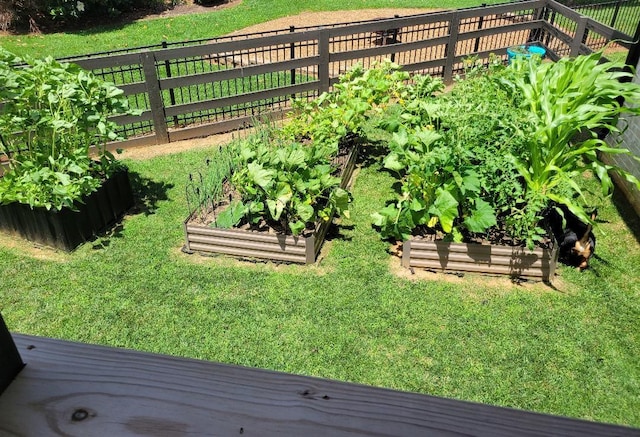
<point>356,316</point>
<point>197,26</point>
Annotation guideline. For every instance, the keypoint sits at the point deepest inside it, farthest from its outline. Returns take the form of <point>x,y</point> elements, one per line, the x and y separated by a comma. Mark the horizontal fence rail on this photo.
<point>198,88</point>
<point>622,15</point>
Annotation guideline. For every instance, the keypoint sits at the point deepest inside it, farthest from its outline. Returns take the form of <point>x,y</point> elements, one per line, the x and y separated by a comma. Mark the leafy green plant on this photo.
<point>55,125</point>
<point>359,95</point>
<point>288,185</point>
<point>286,177</point>
<point>502,147</point>
<point>567,103</point>
<point>436,190</point>
<point>433,151</point>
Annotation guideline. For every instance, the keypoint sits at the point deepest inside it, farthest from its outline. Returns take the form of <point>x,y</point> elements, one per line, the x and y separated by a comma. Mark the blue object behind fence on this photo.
<point>525,51</point>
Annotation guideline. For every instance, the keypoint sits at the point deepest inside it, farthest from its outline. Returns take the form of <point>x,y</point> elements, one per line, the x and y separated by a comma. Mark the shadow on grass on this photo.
<point>627,213</point>
<point>372,153</point>
<point>335,232</point>
<point>147,193</point>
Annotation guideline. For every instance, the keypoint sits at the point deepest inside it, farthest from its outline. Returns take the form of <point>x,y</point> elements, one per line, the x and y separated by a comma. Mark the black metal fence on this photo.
<point>191,89</point>
<point>623,15</point>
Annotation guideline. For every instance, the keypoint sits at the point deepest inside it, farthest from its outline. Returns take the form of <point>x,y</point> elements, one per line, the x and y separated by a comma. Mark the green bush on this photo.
<point>46,14</point>
<point>500,149</point>
<point>54,124</point>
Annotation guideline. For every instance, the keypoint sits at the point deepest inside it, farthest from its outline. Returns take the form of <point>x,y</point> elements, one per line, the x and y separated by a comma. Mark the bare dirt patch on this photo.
<point>310,19</point>
<point>32,250</point>
<point>189,7</point>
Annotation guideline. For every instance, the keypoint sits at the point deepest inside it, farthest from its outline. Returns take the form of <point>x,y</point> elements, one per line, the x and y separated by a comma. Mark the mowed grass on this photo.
<point>198,26</point>
<point>571,349</point>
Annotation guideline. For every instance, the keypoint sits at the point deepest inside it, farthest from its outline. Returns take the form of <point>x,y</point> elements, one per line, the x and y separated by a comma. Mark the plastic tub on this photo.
<point>525,51</point>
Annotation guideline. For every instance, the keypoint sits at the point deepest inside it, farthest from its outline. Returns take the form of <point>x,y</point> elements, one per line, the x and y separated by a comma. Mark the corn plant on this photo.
<point>564,99</point>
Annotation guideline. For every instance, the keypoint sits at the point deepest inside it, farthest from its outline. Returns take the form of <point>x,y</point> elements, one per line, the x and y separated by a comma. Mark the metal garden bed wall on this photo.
<point>195,89</point>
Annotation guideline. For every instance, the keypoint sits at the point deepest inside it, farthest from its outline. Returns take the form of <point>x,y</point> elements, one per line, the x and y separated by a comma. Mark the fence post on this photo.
<point>10,361</point>
<point>476,44</point>
<point>535,35</point>
<point>551,22</point>
<point>394,39</point>
<point>172,96</point>
<point>634,52</point>
<point>580,37</point>
<point>614,17</point>
<point>156,103</point>
<point>323,63</point>
<point>450,49</point>
<point>292,55</point>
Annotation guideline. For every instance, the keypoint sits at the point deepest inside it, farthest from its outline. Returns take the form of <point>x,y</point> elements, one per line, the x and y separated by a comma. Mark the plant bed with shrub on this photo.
<point>491,159</point>
<point>60,186</point>
<point>67,228</point>
<point>216,227</point>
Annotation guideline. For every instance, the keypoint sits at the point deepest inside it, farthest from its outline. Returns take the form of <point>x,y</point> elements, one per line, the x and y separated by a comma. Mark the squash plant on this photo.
<point>286,185</point>
<point>431,153</point>
<point>286,177</point>
<point>52,114</point>
<point>359,95</point>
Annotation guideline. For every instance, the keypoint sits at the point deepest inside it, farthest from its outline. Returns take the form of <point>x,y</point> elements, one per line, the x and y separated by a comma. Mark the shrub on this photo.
<point>52,116</point>
<point>502,147</point>
<point>44,14</point>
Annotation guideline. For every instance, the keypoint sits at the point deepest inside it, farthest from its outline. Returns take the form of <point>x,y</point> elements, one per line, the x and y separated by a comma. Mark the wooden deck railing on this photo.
<point>76,389</point>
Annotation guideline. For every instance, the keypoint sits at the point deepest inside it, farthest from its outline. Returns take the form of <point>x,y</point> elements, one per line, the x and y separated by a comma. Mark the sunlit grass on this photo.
<point>357,315</point>
<point>196,26</point>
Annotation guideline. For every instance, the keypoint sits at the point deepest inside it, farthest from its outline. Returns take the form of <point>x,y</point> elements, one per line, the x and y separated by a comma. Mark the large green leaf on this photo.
<point>482,217</point>
<point>305,211</point>
<point>259,175</point>
<point>230,216</point>
<point>340,199</point>
<point>445,208</point>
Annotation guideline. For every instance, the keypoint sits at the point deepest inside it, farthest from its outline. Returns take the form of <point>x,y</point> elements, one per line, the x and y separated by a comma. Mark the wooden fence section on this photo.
<point>207,88</point>
<point>623,15</point>
<point>78,389</point>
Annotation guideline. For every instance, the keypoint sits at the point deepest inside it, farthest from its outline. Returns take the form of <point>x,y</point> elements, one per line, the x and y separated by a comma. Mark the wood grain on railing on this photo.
<point>77,389</point>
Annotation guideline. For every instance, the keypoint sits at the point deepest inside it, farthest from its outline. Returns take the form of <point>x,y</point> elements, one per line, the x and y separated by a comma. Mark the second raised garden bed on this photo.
<point>516,262</point>
<point>66,229</point>
<point>252,244</point>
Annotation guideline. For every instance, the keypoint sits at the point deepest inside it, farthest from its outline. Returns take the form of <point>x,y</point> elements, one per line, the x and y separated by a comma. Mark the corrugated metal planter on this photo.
<point>441,256</point>
<point>67,229</point>
<point>262,245</point>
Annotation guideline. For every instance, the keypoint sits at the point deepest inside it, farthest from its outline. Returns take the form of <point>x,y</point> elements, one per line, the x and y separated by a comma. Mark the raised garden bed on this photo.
<point>67,229</point>
<point>252,244</point>
<point>517,262</point>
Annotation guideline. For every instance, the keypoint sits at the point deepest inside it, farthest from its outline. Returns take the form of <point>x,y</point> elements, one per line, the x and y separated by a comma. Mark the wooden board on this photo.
<point>76,389</point>
<point>10,361</point>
